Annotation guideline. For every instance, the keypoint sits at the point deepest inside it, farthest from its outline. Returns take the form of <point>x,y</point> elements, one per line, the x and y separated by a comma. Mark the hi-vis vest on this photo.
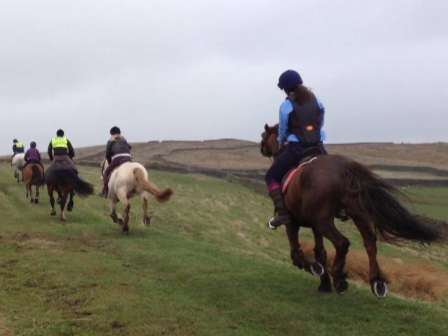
<point>59,143</point>
<point>19,145</point>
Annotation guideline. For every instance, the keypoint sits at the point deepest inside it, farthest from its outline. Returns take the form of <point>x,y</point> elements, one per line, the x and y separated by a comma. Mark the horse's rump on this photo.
<point>68,175</point>
<point>18,161</point>
<point>33,174</point>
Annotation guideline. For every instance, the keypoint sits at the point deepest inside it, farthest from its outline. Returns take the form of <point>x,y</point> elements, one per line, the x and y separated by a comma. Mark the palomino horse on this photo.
<point>125,182</point>
<point>33,175</point>
<point>18,162</point>
<point>65,182</point>
<point>329,184</point>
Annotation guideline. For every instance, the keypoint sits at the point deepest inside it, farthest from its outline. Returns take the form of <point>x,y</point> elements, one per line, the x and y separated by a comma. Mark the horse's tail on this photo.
<point>145,184</point>
<point>82,188</point>
<point>37,174</point>
<point>365,193</point>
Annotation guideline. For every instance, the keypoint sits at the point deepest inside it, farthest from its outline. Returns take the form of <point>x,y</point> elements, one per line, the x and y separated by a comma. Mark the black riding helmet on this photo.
<point>60,133</point>
<point>33,144</point>
<point>115,130</point>
<point>15,141</point>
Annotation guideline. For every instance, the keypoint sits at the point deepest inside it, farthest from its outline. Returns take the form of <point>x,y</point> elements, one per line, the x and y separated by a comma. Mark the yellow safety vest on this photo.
<point>59,143</point>
<point>19,145</point>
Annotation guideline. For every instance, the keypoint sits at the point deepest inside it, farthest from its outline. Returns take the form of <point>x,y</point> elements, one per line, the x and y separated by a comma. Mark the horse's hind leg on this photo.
<point>71,204</point>
<point>62,202</point>
<point>127,208</point>
<point>113,210</point>
<point>146,217</point>
<point>50,191</point>
<point>31,193</point>
<point>36,200</point>
<point>341,244</point>
<point>320,254</point>
<point>377,281</point>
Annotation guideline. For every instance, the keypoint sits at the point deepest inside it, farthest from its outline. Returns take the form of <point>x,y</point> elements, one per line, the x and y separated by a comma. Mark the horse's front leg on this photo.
<point>378,282</point>
<point>327,228</point>
<point>320,254</point>
<point>298,257</point>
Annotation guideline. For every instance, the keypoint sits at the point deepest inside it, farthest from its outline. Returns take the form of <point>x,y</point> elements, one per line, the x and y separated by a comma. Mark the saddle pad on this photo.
<point>293,171</point>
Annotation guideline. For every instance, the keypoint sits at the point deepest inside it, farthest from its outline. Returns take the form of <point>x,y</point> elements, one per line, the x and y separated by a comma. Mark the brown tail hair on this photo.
<point>161,196</point>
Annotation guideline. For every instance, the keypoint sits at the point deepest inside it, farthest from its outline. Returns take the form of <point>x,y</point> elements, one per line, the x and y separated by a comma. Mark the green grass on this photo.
<point>207,265</point>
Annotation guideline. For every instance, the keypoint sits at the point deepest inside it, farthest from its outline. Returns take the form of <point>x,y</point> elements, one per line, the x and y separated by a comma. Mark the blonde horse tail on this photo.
<point>161,196</point>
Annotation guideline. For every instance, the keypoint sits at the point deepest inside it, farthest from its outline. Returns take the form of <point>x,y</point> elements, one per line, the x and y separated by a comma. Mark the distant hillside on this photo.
<point>392,161</point>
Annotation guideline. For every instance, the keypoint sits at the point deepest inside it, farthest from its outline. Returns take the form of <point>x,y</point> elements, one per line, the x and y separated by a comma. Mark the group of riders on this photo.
<point>61,151</point>
<point>301,118</point>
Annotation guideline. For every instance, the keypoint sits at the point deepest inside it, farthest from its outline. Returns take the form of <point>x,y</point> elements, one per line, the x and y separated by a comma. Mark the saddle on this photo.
<point>309,156</point>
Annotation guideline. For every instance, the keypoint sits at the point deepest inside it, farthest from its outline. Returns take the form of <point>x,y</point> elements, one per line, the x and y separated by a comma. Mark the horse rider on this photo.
<point>118,151</point>
<point>32,155</point>
<point>300,128</point>
<point>60,150</point>
<point>17,148</point>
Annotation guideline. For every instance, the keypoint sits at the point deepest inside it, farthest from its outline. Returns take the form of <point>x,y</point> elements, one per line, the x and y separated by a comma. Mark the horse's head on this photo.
<point>269,144</point>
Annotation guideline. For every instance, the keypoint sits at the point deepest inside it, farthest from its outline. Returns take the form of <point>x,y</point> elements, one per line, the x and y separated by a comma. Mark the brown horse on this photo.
<point>331,184</point>
<point>65,182</point>
<point>33,175</point>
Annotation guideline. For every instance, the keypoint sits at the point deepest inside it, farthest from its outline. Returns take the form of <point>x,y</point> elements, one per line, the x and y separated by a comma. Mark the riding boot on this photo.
<point>283,217</point>
<point>103,193</point>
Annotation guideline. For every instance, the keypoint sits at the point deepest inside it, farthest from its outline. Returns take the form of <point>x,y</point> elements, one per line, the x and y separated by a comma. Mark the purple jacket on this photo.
<point>32,154</point>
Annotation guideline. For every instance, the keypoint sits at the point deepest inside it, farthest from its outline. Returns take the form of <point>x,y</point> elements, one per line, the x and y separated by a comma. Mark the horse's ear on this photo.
<point>266,127</point>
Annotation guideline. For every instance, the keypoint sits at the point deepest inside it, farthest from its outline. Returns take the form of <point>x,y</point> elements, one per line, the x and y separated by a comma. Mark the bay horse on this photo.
<point>18,162</point>
<point>128,180</point>
<point>63,180</point>
<point>33,175</point>
<point>320,190</point>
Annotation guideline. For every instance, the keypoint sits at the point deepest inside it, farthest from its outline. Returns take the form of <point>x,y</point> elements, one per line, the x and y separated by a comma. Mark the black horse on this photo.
<point>65,182</point>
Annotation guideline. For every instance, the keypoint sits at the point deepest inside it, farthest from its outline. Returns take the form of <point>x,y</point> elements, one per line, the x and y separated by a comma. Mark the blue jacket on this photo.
<point>285,109</point>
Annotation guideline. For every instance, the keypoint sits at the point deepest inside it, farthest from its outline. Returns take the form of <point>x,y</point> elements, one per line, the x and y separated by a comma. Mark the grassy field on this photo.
<point>207,265</point>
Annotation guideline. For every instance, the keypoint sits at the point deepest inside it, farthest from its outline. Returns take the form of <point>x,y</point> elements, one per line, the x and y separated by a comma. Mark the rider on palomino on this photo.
<point>60,150</point>
<point>17,148</point>
<point>32,155</point>
<point>118,151</point>
<point>300,127</point>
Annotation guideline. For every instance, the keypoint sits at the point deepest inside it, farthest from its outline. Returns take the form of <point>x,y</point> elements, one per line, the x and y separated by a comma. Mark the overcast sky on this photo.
<point>204,69</point>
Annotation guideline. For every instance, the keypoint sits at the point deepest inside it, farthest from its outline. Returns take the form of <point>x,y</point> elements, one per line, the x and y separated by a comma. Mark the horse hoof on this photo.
<point>53,213</point>
<point>379,288</point>
<point>341,287</point>
<point>125,231</point>
<point>62,220</point>
<point>36,201</point>
<point>147,221</point>
<point>324,287</point>
<point>317,269</point>
<point>69,209</point>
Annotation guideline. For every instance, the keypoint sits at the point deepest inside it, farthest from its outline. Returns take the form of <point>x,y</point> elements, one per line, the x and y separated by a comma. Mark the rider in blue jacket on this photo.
<point>301,119</point>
